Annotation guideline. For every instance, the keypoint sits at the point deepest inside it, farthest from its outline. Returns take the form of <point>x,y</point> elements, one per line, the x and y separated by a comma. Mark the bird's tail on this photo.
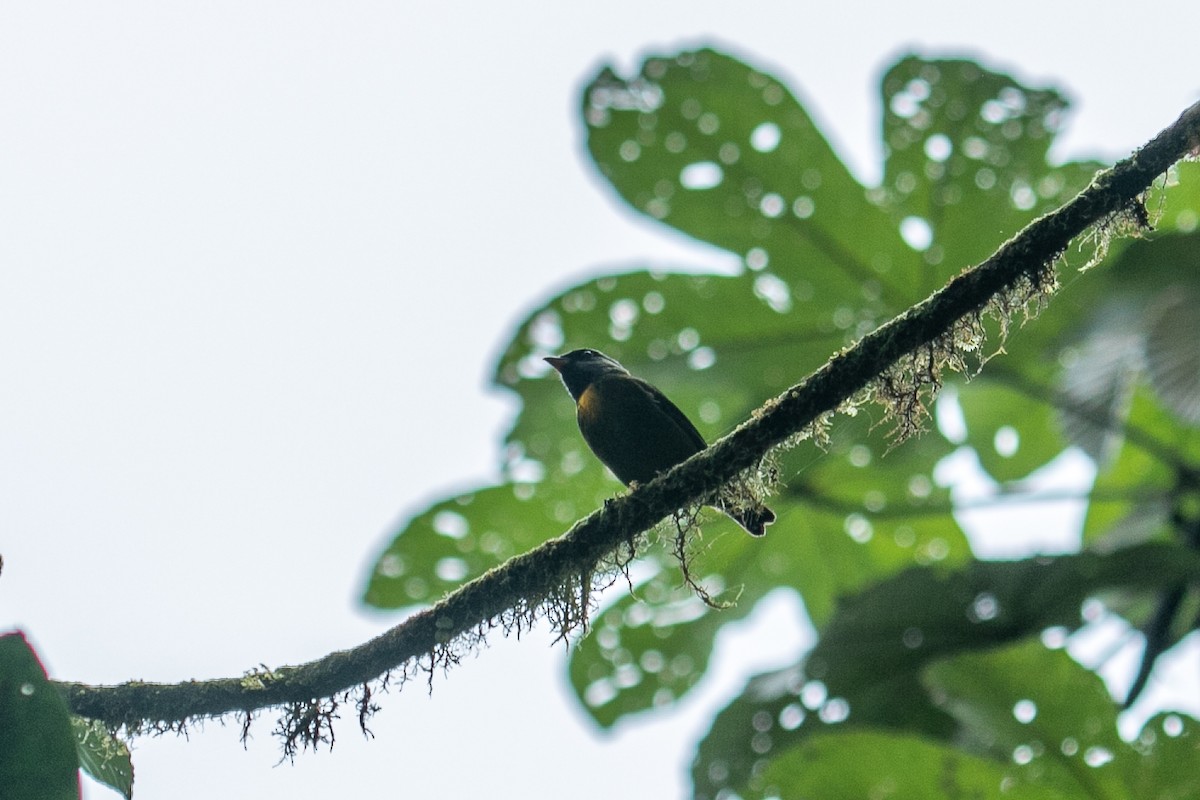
<point>754,519</point>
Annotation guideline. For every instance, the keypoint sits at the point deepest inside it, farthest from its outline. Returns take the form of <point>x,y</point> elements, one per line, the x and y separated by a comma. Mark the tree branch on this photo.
<point>900,362</point>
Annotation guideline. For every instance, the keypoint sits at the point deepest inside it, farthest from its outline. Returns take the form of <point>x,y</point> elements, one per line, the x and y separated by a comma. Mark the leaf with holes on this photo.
<point>779,711</point>
<point>966,159</point>
<point>647,649</point>
<point>1032,723</point>
<point>866,764</point>
<point>724,152</point>
<point>872,651</point>
<point>460,538</point>
<point>1051,720</point>
<point>926,613</point>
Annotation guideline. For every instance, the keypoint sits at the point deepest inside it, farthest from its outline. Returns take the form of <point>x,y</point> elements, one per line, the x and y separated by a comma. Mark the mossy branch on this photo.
<point>899,364</point>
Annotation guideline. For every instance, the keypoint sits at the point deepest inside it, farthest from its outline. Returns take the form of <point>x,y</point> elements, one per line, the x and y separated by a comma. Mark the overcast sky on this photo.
<point>256,260</point>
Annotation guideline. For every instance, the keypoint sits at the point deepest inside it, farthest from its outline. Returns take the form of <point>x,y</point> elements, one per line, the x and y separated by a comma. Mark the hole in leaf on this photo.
<point>701,175</point>
<point>765,137</point>
<point>916,233</point>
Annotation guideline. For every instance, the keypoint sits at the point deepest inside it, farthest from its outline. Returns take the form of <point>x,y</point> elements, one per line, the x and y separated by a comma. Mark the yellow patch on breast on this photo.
<point>587,405</point>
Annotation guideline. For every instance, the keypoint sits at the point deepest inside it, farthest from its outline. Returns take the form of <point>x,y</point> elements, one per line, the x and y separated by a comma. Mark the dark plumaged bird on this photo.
<point>633,428</point>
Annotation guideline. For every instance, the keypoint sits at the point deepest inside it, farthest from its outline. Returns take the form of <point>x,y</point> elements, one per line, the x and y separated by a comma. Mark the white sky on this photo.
<point>233,235</point>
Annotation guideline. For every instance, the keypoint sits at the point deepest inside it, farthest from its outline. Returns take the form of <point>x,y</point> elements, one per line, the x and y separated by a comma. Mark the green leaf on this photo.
<point>458,539</point>
<point>871,653</point>
<point>1178,198</point>
<point>868,764</point>
<point>1032,723</point>
<point>647,650</point>
<point>103,756</point>
<point>966,157</point>
<point>37,750</point>
<point>1050,718</point>
<point>1013,433</point>
<point>1169,745</point>
<point>926,613</point>
<point>781,710</point>
<point>725,153</point>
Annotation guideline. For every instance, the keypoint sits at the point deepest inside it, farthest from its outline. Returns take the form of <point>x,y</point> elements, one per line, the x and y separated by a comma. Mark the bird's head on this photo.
<point>581,368</point>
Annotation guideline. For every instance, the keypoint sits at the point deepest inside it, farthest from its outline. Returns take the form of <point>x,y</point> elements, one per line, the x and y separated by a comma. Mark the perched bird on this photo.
<point>634,429</point>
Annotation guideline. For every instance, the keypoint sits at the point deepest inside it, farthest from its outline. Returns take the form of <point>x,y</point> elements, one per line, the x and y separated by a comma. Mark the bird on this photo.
<point>634,429</point>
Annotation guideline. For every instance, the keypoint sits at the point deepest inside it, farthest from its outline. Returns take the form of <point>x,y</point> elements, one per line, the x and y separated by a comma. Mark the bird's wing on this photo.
<point>672,411</point>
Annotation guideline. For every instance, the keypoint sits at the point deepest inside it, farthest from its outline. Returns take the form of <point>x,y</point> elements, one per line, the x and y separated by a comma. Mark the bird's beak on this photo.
<point>556,362</point>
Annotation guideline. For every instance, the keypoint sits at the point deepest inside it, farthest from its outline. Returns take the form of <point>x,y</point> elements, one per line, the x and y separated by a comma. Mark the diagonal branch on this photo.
<point>907,352</point>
